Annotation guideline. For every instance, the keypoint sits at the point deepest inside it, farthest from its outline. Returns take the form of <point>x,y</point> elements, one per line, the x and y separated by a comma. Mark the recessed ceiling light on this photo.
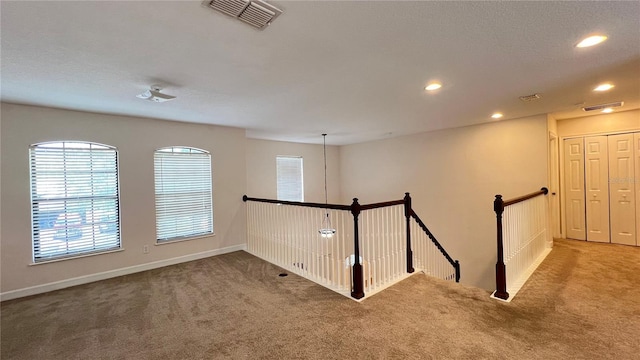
<point>496,115</point>
<point>591,40</point>
<point>603,87</point>
<point>433,86</point>
<point>607,110</point>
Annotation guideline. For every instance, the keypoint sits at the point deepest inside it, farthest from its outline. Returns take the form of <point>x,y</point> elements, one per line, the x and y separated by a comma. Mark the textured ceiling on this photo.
<point>355,70</point>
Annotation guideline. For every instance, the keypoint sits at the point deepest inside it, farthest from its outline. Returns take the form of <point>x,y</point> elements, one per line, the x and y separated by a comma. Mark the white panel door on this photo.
<point>622,189</point>
<point>636,141</point>
<point>596,163</point>
<point>574,188</point>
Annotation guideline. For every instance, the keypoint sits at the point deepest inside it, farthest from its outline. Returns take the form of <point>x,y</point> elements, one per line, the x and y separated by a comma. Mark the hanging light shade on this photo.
<point>326,230</point>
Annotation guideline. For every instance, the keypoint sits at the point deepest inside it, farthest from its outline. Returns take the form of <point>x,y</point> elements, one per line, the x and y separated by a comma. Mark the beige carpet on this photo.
<point>582,303</point>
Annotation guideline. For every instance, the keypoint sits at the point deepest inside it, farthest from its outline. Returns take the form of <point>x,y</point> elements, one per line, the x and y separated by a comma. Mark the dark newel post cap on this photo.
<point>355,207</point>
<point>498,204</point>
<point>407,204</point>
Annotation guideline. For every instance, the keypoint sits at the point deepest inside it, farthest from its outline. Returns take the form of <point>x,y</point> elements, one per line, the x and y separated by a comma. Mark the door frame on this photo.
<point>554,184</point>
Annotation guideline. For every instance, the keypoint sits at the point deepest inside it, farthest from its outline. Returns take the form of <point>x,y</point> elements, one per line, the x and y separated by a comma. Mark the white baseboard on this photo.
<point>57,285</point>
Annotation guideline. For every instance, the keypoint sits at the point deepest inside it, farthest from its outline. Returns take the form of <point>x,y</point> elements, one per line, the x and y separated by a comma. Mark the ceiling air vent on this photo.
<point>256,13</point>
<point>603,106</point>
<point>229,7</point>
<point>528,98</point>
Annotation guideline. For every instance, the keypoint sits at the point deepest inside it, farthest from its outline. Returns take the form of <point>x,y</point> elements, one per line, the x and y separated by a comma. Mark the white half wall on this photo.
<point>136,139</point>
<point>261,169</point>
<point>453,176</point>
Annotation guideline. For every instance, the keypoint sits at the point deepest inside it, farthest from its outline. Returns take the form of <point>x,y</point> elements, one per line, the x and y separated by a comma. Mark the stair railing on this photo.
<point>522,239</point>
<point>427,255</point>
<point>378,254</point>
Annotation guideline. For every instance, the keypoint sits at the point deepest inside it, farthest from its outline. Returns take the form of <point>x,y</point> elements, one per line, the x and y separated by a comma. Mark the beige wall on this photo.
<point>261,169</point>
<point>600,124</point>
<point>135,139</point>
<point>453,176</point>
<point>552,124</point>
<point>1,274</point>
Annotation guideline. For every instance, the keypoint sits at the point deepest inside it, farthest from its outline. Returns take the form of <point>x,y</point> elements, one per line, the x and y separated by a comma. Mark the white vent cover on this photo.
<point>256,13</point>
<point>603,106</point>
<point>532,97</point>
<point>229,7</point>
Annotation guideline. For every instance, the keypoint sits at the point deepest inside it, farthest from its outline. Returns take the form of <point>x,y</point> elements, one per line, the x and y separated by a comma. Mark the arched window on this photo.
<point>74,199</point>
<point>184,206</point>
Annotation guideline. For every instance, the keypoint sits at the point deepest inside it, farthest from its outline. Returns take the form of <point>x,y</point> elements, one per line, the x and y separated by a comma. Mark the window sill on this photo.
<point>75,257</point>
<point>164,242</point>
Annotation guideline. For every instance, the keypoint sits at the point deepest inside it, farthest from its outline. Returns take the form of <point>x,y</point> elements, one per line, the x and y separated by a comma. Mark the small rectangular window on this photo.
<point>289,178</point>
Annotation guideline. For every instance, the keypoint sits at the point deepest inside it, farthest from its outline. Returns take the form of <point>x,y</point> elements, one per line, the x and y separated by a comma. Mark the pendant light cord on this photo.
<point>324,147</point>
<point>327,231</point>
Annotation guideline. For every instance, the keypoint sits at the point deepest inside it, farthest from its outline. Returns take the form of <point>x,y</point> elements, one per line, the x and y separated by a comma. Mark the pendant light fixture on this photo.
<point>326,230</point>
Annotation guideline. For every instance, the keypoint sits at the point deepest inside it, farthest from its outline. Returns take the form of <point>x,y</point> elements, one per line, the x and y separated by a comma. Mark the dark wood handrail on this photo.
<point>246,198</point>
<point>382,204</point>
<point>325,206</point>
<point>454,263</point>
<point>542,191</point>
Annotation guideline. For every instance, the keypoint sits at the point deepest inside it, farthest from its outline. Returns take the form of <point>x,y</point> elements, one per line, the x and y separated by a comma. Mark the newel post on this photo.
<point>501,277</point>
<point>358,286</point>
<point>407,214</point>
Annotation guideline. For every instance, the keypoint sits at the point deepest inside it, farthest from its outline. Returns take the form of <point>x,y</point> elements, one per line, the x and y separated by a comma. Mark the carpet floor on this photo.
<point>583,302</point>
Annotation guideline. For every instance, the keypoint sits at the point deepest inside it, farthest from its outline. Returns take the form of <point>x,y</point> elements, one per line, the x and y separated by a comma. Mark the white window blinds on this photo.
<point>183,191</point>
<point>74,199</point>
<point>289,178</point>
